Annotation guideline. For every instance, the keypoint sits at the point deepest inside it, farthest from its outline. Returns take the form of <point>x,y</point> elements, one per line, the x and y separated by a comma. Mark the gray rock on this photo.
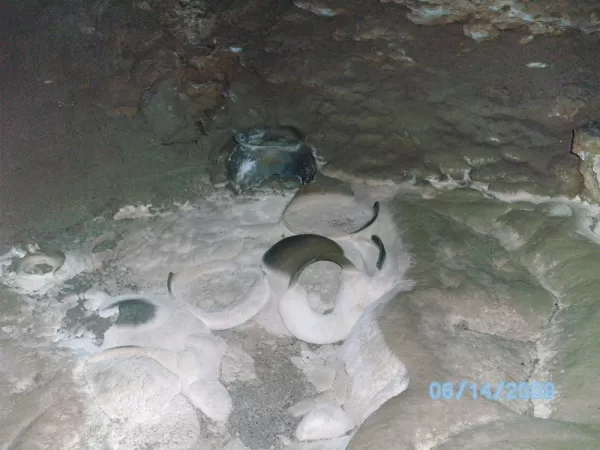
<point>525,433</point>
<point>566,262</point>
<point>586,145</point>
<point>441,332</point>
<point>474,316</point>
<point>569,180</point>
<point>166,115</point>
<point>541,17</point>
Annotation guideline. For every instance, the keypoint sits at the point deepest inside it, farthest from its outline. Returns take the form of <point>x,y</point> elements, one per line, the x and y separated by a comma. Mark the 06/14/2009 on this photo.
<point>506,390</point>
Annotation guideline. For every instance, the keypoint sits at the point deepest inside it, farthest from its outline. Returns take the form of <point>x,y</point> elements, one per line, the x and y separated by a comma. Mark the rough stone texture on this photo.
<point>382,98</point>
<point>166,115</point>
<point>143,384</point>
<point>565,260</point>
<point>586,145</point>
<point>542,250</point>
<point>388,110</point>
<point>485,18</point>
<point>427,333</point>
<point>379,95</point>
<point>519,433</point>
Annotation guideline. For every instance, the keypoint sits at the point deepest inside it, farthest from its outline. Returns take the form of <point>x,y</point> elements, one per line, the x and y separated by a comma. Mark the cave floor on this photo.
<point>385,102</point>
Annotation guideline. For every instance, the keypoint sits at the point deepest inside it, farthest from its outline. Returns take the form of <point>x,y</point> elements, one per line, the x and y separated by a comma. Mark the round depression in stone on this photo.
<point>330,216</point>
<point>321,280</point>
<point>217,289</point>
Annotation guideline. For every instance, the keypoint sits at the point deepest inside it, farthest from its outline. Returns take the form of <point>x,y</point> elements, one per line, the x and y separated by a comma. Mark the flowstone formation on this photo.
<point>542,333</point>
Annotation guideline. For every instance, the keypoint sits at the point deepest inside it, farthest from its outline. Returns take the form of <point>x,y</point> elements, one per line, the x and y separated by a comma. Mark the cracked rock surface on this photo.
<point>440,333</point>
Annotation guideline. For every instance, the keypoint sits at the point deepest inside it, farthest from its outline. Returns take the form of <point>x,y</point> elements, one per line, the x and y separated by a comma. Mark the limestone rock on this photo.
<point>569,180</point>
<point>563,255</point>
<point>524,433</point>
<point>326,421</point>
<point>539,17</point>
<point>481,32</point>
<point>211,397</point>
<point>428,331</point>
<point>324,8</point>
<point>177,427</point>
<point>138,384</point>
<point>586,145</point>
<point>189,21</point>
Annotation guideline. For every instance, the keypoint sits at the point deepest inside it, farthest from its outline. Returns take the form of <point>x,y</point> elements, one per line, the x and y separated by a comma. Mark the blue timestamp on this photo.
<point>503,390</point>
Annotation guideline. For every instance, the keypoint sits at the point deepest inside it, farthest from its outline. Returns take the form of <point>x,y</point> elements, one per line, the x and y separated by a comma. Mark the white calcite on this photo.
<point>137,384</point>
<point>176,428</point>
<point>356,293</point>
<point>237,365</point>
<point>376,373</point>
<point>358,289</point>
<point>235,444</point>
<point>326,421</point>
<point>201,357</point>
<point>211,397</point>
<point>190,353</point>
<point>319,367</point>
<point>227,278</point>
<point>303,407</point>
<point>154,378</point>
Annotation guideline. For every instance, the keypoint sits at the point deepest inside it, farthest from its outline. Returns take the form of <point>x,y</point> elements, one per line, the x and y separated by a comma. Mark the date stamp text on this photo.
<point>503,390</point>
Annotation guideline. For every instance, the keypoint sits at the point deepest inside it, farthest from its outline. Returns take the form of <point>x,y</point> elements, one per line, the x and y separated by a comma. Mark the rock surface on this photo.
<point>492,96</point>
<point>586,145</point>
<point>543,250</point>
<point>487,17</point>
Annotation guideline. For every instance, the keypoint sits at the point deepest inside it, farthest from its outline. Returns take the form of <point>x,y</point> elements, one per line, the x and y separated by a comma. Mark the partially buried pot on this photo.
<point>262,153</point>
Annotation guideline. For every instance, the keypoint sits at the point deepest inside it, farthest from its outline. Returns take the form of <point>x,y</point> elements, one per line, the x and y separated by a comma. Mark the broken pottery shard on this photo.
<point>262,153</point>
<point>586,145</point>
